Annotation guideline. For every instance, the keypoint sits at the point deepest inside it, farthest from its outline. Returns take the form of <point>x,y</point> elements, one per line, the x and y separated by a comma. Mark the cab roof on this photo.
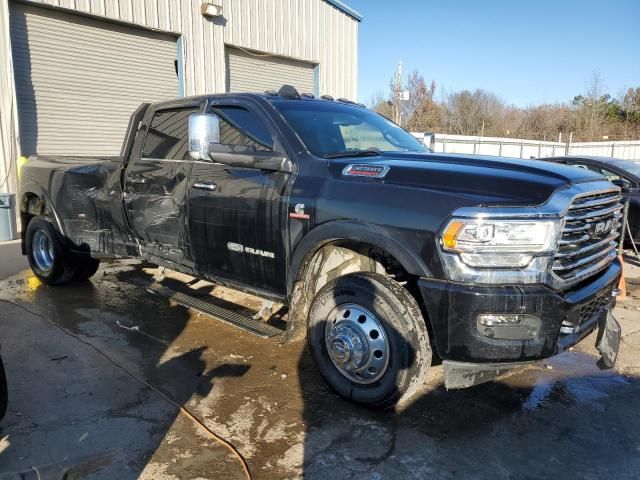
<point>287,92</point>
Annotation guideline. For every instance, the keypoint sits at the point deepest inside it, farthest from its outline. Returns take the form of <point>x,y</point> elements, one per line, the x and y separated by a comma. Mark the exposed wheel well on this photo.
<point>31,205</point>
<point>341,257</point>
<point>337,258</point>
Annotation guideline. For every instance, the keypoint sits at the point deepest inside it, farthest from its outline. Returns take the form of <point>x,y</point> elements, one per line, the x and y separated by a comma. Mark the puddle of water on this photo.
<point>574,379</point>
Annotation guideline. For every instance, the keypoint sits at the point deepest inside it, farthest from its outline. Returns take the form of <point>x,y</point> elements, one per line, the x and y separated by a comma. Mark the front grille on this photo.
<point>589,236</point>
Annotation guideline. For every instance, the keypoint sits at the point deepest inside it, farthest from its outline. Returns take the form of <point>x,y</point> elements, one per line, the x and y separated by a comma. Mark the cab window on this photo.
<point>239,126</point>
<point>167,136</point>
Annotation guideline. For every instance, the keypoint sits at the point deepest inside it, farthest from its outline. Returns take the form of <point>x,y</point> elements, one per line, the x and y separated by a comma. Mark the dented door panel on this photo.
<point>155,192</point>
<point>156,181</point>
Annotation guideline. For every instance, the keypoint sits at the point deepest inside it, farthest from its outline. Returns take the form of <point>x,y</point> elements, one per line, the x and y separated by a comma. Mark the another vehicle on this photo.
<point>379,247</point>
<point>623,173</point>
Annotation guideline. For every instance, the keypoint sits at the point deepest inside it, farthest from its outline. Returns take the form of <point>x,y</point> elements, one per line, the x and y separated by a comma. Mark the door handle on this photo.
<point>209,186</point>
<point>137,180</point>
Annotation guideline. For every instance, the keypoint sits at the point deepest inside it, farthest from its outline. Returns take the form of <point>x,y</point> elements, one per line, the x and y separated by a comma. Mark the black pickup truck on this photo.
<point>380,248</point>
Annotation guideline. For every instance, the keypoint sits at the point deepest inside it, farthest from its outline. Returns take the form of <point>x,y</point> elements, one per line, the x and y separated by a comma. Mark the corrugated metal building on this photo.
<point>71,71</point>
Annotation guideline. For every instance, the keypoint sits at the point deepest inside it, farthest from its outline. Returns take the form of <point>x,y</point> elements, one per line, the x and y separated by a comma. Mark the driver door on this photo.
<point>236,214</point>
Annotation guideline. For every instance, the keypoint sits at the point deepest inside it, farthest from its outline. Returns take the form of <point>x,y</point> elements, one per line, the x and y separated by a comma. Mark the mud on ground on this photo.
<point>70,405</point>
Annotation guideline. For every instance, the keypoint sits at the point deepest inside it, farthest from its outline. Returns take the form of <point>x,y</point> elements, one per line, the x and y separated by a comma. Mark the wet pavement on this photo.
<point>80,360</point>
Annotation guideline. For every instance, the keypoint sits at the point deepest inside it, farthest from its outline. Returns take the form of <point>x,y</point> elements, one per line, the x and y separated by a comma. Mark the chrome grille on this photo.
<point>590,235</point>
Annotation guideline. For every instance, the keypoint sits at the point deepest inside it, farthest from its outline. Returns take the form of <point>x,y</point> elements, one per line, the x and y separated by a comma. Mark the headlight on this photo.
<point>498,243</point>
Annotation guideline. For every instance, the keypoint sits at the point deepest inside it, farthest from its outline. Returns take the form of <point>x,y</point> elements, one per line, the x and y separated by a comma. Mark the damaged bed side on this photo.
<point>83,197</point>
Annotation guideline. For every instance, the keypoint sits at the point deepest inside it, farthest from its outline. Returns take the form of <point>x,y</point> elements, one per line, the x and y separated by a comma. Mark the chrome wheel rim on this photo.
<point>357,343</point>
<point>42,251</point>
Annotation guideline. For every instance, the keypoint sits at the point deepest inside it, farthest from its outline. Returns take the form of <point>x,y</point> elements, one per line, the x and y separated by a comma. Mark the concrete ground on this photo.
<point>78,357</point>
<point>11,259</point>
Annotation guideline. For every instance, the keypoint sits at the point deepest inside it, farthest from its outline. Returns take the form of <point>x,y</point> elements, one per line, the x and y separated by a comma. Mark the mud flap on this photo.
<point>608,341</point>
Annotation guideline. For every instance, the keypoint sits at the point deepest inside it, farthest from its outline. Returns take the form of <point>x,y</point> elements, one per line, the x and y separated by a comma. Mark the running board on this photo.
<point>230,317</point>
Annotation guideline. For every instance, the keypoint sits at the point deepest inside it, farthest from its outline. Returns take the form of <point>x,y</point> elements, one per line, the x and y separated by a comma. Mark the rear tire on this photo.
<point>86,267</point>
<point>369,339</point>
<point>51,261</point>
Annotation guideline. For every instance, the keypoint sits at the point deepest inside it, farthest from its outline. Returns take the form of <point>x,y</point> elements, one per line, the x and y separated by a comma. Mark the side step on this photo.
<point>230,317</point>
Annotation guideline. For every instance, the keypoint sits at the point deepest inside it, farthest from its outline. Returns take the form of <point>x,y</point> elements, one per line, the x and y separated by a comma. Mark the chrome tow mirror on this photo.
<point>204,128</point>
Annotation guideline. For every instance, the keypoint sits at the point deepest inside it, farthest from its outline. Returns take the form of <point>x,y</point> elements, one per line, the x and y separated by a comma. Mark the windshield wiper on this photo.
<point>353,153</point>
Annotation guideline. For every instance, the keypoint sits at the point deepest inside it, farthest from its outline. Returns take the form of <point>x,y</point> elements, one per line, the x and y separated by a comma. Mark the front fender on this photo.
<point>374,235</point>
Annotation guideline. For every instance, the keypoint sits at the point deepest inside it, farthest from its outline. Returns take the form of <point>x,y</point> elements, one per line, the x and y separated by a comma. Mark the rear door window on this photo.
<point>168,135</point>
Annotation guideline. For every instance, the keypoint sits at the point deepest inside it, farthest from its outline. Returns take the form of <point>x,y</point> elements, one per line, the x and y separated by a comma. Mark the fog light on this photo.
<point>489,320</point>
<point>509,326</point>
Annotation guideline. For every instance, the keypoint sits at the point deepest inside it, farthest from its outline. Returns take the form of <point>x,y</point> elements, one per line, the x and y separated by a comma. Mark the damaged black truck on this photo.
<point>381,249</point>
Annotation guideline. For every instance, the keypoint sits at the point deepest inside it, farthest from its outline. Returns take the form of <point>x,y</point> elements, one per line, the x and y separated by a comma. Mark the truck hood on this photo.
<point>494,180</point>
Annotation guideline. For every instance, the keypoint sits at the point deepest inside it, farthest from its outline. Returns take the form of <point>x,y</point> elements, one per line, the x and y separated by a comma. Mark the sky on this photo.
<point>525,51</point>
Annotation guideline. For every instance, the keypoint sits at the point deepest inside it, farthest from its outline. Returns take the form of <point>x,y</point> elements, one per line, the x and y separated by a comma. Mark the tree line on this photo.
<point>593,115</point>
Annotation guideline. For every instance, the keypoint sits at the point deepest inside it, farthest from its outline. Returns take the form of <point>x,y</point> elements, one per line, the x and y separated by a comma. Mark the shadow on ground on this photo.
<point>69,406</point>
<point>562,418</point>
<point>533,425</point>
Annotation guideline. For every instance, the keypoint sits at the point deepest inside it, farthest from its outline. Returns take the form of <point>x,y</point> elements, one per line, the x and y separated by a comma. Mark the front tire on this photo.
<point>50,260</point>
<point>369,339</point>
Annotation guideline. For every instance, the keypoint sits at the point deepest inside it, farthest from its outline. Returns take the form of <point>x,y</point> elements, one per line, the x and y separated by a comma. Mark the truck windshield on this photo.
<point>332,129</point>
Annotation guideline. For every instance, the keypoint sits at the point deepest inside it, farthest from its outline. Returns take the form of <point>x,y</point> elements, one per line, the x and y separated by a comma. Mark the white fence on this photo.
<point>520,148</point>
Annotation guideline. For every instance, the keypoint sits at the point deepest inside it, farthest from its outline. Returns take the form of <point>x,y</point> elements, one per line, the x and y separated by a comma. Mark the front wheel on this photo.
<point>369,339</point>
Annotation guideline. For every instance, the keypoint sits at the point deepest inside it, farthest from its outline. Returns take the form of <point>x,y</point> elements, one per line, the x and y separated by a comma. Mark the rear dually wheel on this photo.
<point>51,260</point>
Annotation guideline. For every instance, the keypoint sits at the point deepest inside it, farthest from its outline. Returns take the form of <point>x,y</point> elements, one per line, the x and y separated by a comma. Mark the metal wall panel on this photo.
<point>9,149</point>
<point>311,30</point>
<point>74,95</point>
<point>161,14</point>
<point>247,72</point>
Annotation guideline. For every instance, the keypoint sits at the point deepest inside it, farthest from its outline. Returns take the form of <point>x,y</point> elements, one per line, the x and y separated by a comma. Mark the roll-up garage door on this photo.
<point>78,79</point>
<point>248,72</point>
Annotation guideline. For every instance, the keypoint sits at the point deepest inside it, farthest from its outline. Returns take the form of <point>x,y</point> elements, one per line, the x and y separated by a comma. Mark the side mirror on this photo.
<point>204,128</point>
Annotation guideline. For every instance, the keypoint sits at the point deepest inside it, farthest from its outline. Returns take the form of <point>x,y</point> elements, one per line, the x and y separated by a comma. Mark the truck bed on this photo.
<point>86,195</point>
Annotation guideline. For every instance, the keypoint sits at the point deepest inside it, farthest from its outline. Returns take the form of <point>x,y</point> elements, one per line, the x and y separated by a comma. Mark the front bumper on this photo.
<point>566,317</point>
